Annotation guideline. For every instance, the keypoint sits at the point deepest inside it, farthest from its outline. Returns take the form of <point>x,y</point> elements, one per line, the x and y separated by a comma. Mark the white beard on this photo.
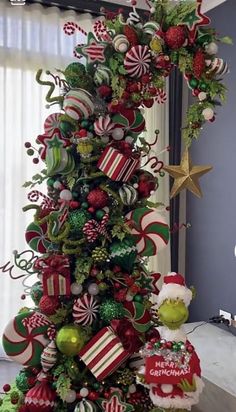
<point>177,335</point>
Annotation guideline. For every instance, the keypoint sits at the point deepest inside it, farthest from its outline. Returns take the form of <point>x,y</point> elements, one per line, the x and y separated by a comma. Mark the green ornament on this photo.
<point>36,292</point>
<point>124,253</point>
<point>84,124</point>
<point>100,214</point>
<point>138,298</point>
<point>21,381</point>
<point>73,72</point>
<point>173,314</point>
<point>66,127</point>
<point>203,86</point>
<point>77,219</point>
<point>102,286</point>
<point>193,83</point>
<point>30,152</point>
<point>84,205</point>
<point>91,128</point>
<point>96,386</point>
<point>110,309</point>
<point>70,339</point>
<point>50,182</point>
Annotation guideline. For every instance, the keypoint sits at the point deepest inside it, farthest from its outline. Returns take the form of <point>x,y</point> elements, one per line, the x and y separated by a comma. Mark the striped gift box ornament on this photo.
<point>117,166</point>
<point>104,353</point>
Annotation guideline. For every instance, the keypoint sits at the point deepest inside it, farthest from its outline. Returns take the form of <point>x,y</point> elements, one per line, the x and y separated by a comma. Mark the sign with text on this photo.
<point>159,370</point>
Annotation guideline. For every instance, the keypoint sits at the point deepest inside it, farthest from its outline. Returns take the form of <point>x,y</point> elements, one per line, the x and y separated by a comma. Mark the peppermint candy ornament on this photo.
<point>137,61</point>
<point>85,310</point>
<point>52,122</point>
<point>161,96</point>
<point>23,338</point>
<point>103,126</point>
<point>36,237</point>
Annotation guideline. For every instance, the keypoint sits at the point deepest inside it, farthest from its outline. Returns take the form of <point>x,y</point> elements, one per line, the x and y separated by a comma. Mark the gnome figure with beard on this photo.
<point>172,368</point>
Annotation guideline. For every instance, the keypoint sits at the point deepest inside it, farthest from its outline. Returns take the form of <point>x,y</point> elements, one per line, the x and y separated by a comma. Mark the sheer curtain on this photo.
<point>31,37</point>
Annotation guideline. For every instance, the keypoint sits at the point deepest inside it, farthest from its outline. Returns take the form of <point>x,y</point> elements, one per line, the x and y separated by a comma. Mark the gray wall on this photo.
<point>210,260</point>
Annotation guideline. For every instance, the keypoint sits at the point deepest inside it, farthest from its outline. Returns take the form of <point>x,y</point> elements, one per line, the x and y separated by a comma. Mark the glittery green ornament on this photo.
<point>126,377</point>
<point>77,77</point>
<point>22,381</point>
<point>110,309</point>
<point>77,219</point>
<point>100,254</point>
<point>36,292</point>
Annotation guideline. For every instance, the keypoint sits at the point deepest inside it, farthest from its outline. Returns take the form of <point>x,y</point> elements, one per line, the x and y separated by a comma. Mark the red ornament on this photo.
<point>175,37</point>
<point>40,398</point>
<point>148,103</point>
<point>199,64</point>
<point>93,396</point>
<point>97,198</point>
<point>131,35</point>
<point>49,304</point>
<point>104,91</point>
<point>6,388</point>
<point>23,408</point>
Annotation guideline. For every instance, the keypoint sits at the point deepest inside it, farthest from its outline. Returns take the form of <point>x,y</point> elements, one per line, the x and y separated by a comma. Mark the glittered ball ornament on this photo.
<point>77,220</point>
<point>41,398</point>
<point>70,396</point>
<point>98,198</point>
<point>49,305</point>
<point>199,64</point>
<point>70,339</point>
<point>78,104</point>
<point>208,113</point>
<point>23,380</point>
<point>110,309</point>
<point>175,37</point>
<point>76,288</point>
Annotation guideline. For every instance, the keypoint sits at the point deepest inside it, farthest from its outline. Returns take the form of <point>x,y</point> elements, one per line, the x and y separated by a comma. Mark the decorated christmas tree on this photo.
<point>100,336</point>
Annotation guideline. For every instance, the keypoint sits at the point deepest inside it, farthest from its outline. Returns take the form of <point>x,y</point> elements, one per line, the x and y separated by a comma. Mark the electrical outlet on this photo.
<point>226,315</point>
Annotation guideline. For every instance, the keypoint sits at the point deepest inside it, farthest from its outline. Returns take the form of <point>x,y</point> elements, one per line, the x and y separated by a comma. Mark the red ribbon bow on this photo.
<point>53,264</point>
<point>127,334</point>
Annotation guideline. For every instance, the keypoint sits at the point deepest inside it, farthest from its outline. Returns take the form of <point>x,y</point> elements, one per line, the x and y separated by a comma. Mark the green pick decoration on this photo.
<point>110,309</point>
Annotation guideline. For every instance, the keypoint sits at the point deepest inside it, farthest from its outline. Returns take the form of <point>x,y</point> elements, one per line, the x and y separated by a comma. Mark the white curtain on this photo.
<point>31,37</point>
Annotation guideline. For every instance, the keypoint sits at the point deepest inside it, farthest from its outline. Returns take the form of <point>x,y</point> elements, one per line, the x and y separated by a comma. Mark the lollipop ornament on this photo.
<point>172,367</point>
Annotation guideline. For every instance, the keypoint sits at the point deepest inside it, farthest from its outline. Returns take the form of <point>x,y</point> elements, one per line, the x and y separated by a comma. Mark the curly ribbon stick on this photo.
<point>70,27</point>
<point>58,81</point>
<point>157,165</point>
<point>178,227</point>
<point>47,203</point>
<point>49,98</point>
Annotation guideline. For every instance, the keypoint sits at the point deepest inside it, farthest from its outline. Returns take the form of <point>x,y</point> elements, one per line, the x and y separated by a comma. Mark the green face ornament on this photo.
<point>173,313</point>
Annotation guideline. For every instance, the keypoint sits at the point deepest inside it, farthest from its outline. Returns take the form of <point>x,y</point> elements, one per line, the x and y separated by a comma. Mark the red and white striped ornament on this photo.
<point>85,310</point>
<point>137,61</point>
<point>49,356</point>
<point>78,104</point>
<point>52,122</point>
<point>161,96</point>
<point>103,126</point>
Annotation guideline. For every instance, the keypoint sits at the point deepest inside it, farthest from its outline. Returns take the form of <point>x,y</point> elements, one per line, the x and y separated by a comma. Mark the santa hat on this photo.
<point>174,288</point>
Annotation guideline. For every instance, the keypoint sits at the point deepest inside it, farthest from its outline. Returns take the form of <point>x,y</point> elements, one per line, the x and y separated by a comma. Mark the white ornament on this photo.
<point>84,392</point>
<point>135,185</point>
<point>212,48</point>
<point>129,139</point>
<point>152,10</point>
<point>93,289</point>
<point>105,139</point>
<point>167,388</point>
<point>70,396</point>
<point>66,195</point>
<point>57,184</point>
<point>118,133</point>
<point>132,388</point>
<point>76,289</point>
<point>129,298</point>
<point>208,113</point>
<point>202,96</point>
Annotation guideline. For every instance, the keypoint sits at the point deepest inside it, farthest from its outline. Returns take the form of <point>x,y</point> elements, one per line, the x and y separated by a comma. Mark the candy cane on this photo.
<point>92,229</point>
<point>101,31</point>
<point>51,332</point>
<point>47,203</point>
<point>36,321</point>
<point>70,27</point>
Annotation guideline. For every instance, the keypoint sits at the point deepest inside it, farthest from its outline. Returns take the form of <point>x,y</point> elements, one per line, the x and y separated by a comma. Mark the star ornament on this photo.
<point>115,404</point>
<point>93,51</point>
<point>186,176</point>
<point>194,20</point>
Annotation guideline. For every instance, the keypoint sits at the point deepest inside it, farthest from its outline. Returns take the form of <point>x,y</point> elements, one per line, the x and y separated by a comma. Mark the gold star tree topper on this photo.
<point>186,176</point>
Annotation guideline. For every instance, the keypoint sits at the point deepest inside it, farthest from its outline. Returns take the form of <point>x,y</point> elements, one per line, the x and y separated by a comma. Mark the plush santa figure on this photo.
<point>172,368</point>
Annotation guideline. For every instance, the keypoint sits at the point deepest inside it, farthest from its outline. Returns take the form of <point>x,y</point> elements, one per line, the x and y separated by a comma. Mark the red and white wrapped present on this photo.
<point>104,353</point>
<point>55,270</point>
<point>116,165</point>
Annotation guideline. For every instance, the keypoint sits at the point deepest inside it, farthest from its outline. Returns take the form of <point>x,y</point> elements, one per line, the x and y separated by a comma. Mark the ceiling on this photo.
<point>207,4</point>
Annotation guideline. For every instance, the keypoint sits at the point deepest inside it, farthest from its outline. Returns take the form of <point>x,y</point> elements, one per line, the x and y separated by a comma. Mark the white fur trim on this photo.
<point>174,291</point>
<point>177,335</point>
<point>190,398</point>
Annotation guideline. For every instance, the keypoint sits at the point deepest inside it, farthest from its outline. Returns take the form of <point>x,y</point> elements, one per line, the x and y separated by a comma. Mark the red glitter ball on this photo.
<point>175,37</point>
<point>49,304</point>
<point>97,198</point>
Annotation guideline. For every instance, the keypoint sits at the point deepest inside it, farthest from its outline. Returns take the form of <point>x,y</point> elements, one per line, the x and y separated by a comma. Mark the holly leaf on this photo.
<point>122,70</point>
<point>27,184</point>
<point>226,40</point>
<point>63,384</point>
<point>113,64</point>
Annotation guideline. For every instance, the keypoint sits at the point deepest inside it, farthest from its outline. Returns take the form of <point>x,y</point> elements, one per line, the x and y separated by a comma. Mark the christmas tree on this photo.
<point>94,340</point>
